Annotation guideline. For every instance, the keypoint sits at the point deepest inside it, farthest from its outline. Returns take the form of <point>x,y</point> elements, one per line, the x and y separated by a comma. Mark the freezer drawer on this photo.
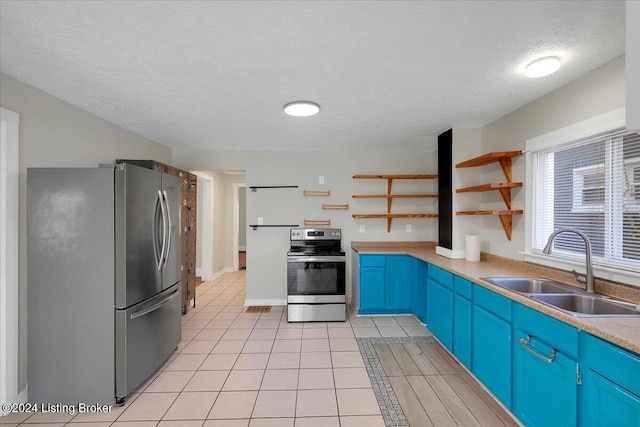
<point>146,335</point>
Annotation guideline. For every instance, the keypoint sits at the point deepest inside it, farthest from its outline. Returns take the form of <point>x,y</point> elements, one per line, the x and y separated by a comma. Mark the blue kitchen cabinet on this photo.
<point>545,369</point>
<point>386,284</point>
<point>373,279</point>
<point>462,320</point>
<point>401,273</point>
<point>603,403</point>
<point>610,390</point>
<point>491,342</point>
<point>440,305</point>
<point>420,291</point>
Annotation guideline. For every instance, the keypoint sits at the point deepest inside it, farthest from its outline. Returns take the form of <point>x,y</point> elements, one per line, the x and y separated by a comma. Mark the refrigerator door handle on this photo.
<point>155,232</point>
<point>154,307</point>
<point>166,204</point>
<point>164,231</point>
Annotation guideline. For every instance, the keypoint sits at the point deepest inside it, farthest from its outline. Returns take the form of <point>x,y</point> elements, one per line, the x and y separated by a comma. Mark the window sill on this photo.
<point>628,277</point>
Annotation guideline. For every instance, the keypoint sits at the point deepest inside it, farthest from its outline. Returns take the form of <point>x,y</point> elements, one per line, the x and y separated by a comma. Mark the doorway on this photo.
<point>240,226</point>
<point>204,227</point>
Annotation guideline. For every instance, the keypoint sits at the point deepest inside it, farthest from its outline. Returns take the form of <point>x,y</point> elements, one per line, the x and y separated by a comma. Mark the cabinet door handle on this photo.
<point>524,343</point>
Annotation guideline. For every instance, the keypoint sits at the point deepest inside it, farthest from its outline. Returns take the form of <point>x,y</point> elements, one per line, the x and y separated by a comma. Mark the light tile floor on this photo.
<point>237,369</point>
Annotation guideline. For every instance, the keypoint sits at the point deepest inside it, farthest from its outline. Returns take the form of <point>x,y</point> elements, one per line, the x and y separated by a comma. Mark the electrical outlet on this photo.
<point>260,220</point>
<point>321,179</point>
<point>362,228</point>
<point>408,228</point>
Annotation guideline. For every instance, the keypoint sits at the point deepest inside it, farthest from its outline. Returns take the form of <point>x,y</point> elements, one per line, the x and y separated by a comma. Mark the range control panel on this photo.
<point>315,234</point>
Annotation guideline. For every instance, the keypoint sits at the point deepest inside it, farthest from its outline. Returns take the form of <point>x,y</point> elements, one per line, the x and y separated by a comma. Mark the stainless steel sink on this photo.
<point>531,285</point>
<point>588,305</point>
<point>566,298</point>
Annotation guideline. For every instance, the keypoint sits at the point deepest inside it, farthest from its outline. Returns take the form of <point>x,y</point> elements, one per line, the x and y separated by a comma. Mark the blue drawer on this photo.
<point>557,334</point>
<point>619,365</point>
<point>462,287</point>
<point>373,260</point>
<point>492,302</point>
<point>441,276</point>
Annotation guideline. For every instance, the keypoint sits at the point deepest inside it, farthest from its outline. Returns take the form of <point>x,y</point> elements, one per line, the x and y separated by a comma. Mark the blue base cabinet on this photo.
<point>491,342</point>
<point>387,284</point>
<point>401,273</point>
<point>462,320</point>
<point>420,292</point>
<point>605,404</point>
<point>610,390</point>
<point>545,370</point>
<point>440,305</point>
<point>373,278</point>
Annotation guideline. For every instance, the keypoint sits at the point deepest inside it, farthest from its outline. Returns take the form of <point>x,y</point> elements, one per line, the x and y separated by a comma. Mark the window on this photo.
<point>591,184</point>
<point>632,181</point>
<point>588,188</point>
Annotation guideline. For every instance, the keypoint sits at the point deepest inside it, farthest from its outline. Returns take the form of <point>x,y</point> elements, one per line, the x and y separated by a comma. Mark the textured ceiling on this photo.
<point>389,75</point>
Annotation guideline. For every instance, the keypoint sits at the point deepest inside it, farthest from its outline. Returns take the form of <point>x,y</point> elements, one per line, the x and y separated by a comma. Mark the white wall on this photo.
<point>54,133</point>
<point>466,145</point>
<point>598,92</point>
<point>633,64</point>
<point>267,247</point>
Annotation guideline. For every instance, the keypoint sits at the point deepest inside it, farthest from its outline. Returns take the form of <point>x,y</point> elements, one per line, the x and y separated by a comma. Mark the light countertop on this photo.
<point>624,332</point>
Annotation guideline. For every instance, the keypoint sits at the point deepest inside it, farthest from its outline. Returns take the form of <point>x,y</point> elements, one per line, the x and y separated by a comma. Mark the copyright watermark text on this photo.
<point>55,408</point>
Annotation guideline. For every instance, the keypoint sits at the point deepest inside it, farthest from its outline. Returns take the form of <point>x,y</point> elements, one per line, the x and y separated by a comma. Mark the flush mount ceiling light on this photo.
<point>542,67</point>
<point>301,108</point>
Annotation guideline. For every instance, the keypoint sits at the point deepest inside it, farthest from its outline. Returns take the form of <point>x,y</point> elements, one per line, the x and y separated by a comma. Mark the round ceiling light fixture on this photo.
<point>301,108</point>
<point>542,67</point>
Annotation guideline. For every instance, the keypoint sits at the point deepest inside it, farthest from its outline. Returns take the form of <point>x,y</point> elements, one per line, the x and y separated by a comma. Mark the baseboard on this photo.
<point>198,272</point>
<point>22,397</point>
<point>242,249</point>
<point>221,272</point>
<point>252,302</point>
<point>449,253</point>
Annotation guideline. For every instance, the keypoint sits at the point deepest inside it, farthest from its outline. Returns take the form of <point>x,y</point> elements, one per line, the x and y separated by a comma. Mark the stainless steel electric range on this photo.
<point>316,276</point>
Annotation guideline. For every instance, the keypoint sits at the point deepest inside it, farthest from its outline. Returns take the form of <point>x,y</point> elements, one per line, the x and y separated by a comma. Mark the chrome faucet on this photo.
<point>587,279</point>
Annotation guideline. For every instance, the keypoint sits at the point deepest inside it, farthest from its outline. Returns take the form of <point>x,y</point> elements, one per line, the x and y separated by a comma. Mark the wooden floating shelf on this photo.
<point>317,222</point>
<point>320,193</point>
<point>395,176</point>
<point>389,216</point>
<point>488,158</point>
<point>489,187</point>
<point>504,215</point>
<point>394,196</point>
<point>504,158</point>
<point>503,187</point>
<point>492,212</point>
<point>335,207</point>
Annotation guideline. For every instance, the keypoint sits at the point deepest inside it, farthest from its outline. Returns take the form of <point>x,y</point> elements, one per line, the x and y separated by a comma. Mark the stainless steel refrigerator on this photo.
<point>103,272</point>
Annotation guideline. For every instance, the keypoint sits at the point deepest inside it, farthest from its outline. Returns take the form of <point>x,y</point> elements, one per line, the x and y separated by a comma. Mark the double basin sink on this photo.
<point>566,298</point>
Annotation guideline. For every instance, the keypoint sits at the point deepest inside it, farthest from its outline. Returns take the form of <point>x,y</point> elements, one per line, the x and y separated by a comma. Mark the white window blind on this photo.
<point>592,185</point>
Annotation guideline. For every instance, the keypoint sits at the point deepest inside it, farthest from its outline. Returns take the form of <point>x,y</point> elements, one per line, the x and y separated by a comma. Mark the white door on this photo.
<point>8,257</point>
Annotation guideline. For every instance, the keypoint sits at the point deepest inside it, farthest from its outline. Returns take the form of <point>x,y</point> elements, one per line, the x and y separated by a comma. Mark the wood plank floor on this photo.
<point>433,389</point>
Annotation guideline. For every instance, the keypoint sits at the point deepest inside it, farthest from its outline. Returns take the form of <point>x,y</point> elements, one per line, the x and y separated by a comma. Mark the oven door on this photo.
<point>316,279</point>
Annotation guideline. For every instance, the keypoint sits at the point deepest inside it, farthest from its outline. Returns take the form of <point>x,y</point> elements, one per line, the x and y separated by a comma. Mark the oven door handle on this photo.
<point>316,259</point>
